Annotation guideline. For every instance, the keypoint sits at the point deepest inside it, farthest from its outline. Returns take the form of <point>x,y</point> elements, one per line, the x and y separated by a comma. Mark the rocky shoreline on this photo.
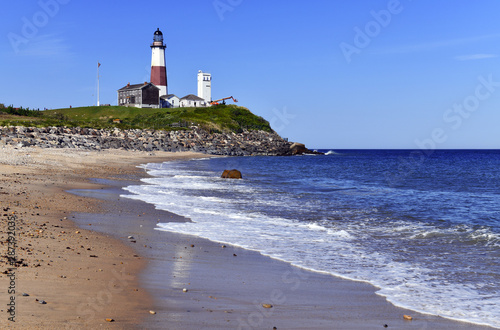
<point>247,143</point>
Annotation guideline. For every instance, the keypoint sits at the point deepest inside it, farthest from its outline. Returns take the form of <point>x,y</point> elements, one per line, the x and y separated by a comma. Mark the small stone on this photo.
<point>25,295</point>
<point>192,245</point>
<point>43,302</point>
<point>223,246</point>
<point>110,320</point>
<point>184,290</point>
<point>130,237</point>
<point>407,317</point>
<point>267,305</point>
<point>234,255</point>
<point>385,325</point>
<point>152,312</point>
<point>77,232</point>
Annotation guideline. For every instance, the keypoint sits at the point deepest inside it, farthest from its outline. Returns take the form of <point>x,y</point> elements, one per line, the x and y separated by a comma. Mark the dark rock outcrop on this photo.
<point>300,149</point>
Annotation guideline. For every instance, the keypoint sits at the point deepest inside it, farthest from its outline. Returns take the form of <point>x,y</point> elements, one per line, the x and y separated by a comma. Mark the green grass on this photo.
<point>219,118</point>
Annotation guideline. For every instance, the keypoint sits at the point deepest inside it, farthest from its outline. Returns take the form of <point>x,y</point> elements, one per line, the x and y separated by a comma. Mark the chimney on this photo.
<point>145,83</point>
<point>128,85</point>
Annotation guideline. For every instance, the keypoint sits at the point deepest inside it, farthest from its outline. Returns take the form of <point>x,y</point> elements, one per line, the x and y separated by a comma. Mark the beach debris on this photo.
<point>110,320</point>
<point>93,256</point>
<point>184,290</point>
<point>267,305</point>
<point>25,295</point>
<point>152,312</point>
<point>231,174</point>
<point>407,317</point>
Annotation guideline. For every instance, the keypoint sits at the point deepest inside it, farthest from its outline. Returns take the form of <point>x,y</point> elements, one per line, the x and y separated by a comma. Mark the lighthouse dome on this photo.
<point>158,36</point>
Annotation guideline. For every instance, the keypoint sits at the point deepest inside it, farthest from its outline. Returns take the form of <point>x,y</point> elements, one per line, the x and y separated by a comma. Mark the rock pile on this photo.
<point>196,139</point>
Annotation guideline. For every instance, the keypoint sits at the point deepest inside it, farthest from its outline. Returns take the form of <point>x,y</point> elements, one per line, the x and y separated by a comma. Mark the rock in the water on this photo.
<point>267,305</point>
<point>231,174</point>
<point>298,148</point>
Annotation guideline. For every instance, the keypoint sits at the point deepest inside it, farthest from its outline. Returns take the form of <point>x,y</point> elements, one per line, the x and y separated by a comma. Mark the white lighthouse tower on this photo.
<point>158,67</point>
<point>205,86</point>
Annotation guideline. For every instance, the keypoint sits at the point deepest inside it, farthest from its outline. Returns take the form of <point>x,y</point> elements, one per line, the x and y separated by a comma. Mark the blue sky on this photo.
<point>332,74</point>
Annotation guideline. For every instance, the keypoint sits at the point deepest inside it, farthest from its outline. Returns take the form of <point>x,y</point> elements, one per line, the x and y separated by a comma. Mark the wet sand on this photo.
<point>82,263</point>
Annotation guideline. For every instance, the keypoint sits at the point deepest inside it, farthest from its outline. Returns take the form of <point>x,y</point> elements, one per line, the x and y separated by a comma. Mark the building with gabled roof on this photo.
<point>145,95</point>
<point>170,101</point>
<point>191,100</point>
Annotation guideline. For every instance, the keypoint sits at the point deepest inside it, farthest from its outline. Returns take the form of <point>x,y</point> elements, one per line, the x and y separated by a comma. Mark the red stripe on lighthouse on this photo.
<point>159,75</point>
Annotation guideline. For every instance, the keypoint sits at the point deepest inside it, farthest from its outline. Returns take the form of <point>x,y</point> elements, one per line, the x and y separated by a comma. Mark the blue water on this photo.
<point>423,228</point>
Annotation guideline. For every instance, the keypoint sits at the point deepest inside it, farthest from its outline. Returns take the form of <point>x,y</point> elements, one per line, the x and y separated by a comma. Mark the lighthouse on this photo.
<point>158,68</point>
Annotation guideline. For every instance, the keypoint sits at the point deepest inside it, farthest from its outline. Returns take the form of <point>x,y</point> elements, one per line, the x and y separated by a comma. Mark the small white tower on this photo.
<point>158,68</point>
<point>205,86</point>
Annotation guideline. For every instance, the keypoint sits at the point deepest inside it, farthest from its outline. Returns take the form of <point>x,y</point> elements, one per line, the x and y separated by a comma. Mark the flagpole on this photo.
<point>98,65</point>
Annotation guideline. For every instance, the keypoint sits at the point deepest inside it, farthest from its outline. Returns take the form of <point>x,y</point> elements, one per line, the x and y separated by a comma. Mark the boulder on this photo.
<point>298,148</point>
<point>231,174</point>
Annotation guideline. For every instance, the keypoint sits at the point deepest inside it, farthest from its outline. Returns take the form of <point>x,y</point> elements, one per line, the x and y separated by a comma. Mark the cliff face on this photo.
<point>198,140</point>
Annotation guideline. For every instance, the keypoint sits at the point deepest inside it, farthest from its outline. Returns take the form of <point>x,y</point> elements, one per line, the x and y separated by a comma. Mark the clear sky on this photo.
<point>329,73</point>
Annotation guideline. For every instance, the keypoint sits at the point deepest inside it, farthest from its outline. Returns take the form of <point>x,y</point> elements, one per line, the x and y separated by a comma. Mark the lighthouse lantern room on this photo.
<point>158,67</point>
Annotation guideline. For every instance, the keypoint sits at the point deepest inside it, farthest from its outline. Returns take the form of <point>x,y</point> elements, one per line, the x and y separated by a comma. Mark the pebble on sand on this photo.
<point>152,312</point>
<point>184,290</point>
<point>267,305</point>
<point>110,320</point>
<point>407,317</point>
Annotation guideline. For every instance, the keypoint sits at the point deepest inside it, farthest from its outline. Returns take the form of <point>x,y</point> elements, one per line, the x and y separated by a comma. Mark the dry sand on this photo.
<point>79,261</point>
<point>83,277</point>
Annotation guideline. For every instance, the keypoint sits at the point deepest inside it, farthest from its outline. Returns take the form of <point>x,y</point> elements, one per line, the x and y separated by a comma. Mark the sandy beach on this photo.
<point>80,270</point>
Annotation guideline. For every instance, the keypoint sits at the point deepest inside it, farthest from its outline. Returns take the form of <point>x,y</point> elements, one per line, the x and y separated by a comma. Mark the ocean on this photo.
<point>423,227</point>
